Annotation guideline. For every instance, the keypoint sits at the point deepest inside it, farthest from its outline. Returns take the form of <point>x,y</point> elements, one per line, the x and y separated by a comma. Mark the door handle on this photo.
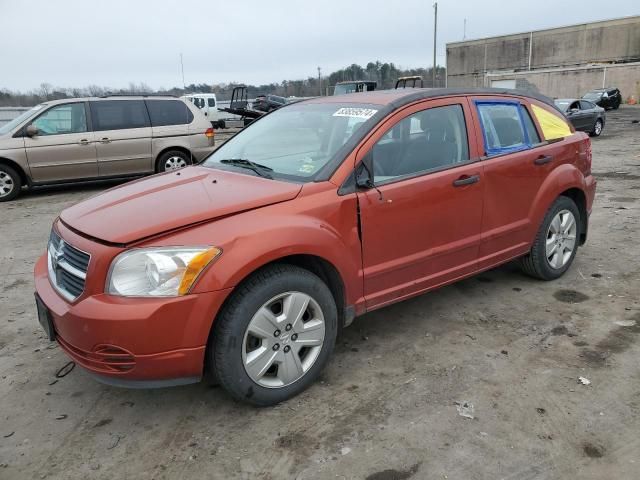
<point>466,180</point>
<point>84,141</point>
<point>105,140</point>
<point>543,159</point>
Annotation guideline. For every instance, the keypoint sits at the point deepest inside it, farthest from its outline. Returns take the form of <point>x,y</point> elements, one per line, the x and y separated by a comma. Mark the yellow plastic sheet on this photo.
<point>553,125</point>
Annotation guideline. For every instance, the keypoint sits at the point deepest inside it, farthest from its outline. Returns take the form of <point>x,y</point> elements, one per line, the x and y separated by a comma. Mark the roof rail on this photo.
<point>138,95</point>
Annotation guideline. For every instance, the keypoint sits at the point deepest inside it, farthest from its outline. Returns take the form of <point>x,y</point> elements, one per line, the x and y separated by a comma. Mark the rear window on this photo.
<point>118,114</point>
<point>168,112</point>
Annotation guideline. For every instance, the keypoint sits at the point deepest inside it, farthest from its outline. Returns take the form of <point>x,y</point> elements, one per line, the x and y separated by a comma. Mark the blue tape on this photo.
<point>501,150</point>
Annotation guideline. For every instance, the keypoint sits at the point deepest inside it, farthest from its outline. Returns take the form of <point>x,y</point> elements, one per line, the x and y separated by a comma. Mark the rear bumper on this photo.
<point>144,342</point>
<point>590,193</point>
<point>200,153</point>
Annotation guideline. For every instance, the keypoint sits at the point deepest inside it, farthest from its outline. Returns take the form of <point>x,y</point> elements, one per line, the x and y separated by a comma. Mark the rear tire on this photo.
<point>543,260</point>
<point>267,344</point>
<point>10,183</point>
<point>597,128</point>
<point>172,160</point>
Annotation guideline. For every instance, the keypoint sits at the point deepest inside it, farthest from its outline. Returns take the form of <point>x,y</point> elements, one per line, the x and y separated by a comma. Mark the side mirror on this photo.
<point>31,131</point>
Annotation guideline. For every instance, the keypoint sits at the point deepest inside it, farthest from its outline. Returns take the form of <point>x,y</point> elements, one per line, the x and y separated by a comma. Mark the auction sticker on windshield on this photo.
<point>355,112</point>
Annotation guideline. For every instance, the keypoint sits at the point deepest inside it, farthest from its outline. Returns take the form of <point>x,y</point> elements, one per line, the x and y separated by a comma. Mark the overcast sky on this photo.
<point>75,43</point>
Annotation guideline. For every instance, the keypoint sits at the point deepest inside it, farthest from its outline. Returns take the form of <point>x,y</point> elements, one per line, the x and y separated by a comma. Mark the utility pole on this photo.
<point>319,82</point>
<point>182,70</point>
<point>464,30</point>
<point>435,33</point>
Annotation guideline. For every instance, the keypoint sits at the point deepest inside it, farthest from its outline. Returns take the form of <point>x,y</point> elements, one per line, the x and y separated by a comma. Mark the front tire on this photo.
<point>556,242</point>
<point>172,160</point>
<point>10,183</point>
<point>274,336</point>
<point>597,129</point>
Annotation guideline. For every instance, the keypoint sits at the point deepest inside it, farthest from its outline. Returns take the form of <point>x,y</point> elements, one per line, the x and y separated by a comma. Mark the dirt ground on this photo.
<point>386,406</point>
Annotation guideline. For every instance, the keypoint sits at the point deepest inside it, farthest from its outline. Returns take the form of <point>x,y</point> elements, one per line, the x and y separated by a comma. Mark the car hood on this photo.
<point>165,202</point>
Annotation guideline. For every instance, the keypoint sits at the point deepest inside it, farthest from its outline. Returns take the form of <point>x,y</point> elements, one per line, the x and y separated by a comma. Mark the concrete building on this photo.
<point>558,62</point>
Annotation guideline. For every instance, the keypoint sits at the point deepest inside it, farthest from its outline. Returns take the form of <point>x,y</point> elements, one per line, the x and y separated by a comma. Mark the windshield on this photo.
<point>562,104</point>
<point>593,95</point>
<point>18,120</point>
<point>294,142</point>
<point>345,88</point>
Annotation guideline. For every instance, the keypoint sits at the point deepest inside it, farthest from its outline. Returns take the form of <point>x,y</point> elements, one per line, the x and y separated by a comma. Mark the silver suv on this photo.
<point>85,139</point>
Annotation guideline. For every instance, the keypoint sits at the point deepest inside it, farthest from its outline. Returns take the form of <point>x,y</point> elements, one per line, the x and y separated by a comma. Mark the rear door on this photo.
<point>123,135</point>
<point>516,163</point>
<point>421,224</point>
<point>64,147</point>
<point>173,125</point>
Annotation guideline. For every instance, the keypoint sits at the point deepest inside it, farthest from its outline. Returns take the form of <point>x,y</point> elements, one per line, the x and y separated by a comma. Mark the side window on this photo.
<point>118,114</point>
<point>428,140</point>
<point>168,112</point>
<point>532,133</point>
<point>211,102</point>
<point>68,118</point>
<point>504,126</point>
<point>584,105</point>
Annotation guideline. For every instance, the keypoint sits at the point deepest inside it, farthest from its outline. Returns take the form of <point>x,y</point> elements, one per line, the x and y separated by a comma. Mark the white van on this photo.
<point>208,104</point>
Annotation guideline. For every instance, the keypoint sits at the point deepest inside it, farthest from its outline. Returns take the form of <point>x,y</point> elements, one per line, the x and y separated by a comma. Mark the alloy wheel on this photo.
<point>6,184</point>
<point>598,128</point>
<point>561,239</point>
<point>283,340</point>
<point>174,163</point>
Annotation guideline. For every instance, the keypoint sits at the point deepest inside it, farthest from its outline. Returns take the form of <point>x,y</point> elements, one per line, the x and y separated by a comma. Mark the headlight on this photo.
<point>158,272</point>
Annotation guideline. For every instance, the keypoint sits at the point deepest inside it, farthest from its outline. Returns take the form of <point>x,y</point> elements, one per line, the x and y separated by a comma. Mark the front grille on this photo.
<point>67,267</point>
<point>103,358</point>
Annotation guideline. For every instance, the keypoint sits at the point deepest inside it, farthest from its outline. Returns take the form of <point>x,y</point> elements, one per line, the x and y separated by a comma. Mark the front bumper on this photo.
<point>144,342</point>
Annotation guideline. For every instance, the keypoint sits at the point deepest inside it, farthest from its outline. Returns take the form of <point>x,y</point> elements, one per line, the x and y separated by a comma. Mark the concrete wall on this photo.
<point>598,42</point>
<point>567,83</point>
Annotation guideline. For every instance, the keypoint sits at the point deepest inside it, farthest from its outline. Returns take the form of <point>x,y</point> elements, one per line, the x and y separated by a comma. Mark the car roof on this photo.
<point>567,100</point>
<point>109,97</point>
<point>398,97</point>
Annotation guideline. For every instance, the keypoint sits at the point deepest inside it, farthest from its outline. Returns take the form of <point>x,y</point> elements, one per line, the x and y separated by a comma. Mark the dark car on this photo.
<point>584,115</point>
<point>267,103</point>
<point>605,97</point>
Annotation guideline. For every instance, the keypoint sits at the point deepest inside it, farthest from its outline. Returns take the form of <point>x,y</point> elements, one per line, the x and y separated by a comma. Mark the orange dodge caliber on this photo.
<point>244,268</point>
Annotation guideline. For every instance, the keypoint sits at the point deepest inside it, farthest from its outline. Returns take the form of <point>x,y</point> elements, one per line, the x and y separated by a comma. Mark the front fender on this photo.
<point>323,227</point>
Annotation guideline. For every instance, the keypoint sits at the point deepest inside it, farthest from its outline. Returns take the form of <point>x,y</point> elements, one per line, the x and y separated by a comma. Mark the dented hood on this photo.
<point>165,202</point>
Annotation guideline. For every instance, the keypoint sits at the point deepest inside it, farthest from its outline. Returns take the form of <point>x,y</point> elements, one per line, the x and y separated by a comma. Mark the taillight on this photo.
<point>209,133</point>
<point>589,157</point>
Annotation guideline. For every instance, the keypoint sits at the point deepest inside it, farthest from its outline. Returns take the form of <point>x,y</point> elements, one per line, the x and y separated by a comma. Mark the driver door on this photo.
<point>64,147</point>
<point>421,223</point>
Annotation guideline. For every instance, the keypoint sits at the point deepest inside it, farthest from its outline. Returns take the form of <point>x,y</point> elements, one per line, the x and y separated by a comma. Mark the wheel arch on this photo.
<point>179,148</point>
<point>24,178</point>
<point>566,180</point>
<point>579,198</point>
<point>319,266</point>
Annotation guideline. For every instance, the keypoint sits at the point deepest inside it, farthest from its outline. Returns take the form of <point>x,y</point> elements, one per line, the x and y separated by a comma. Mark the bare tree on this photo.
<point>45,90</point>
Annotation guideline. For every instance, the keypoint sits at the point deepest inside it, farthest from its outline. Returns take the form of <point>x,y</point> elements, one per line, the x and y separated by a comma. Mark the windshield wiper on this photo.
<point>244,163</point>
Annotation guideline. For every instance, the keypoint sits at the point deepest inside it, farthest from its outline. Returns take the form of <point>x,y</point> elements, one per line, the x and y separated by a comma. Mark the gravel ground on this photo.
<point>508,346</point>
